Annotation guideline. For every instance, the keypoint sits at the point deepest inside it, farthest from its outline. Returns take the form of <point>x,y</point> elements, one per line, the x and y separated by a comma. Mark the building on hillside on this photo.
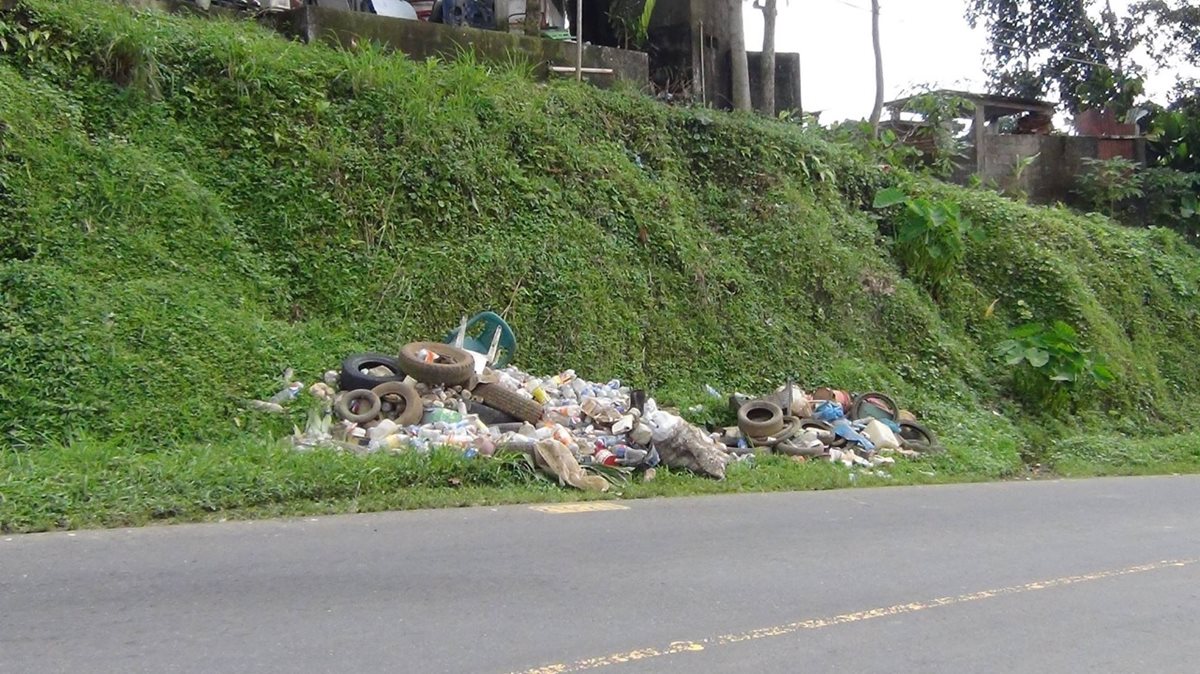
<point>1011,141</point>
<point>685,55</point>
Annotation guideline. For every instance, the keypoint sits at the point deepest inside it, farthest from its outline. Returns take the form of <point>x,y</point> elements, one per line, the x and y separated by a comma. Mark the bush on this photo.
<point>1106,183</point>
<point>930,236</point>
<point>1051,365</point>
<point>1170,200</point>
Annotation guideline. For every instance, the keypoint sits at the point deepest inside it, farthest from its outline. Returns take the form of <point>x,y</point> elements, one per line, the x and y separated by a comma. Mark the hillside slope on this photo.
<point>187,207</point>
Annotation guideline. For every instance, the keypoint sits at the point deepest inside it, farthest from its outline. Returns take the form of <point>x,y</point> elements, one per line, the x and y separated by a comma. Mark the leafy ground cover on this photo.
<point>189,206</point>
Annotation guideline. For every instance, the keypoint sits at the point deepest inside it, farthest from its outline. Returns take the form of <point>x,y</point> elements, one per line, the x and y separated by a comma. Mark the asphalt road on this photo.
<point>1088,576</point>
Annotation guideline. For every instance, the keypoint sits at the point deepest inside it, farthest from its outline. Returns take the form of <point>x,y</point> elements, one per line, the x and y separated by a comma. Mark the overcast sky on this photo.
<point>924,42</point>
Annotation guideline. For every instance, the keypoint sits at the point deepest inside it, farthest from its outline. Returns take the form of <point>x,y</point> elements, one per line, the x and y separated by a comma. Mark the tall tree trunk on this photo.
<point>767,65</point>
<point>877,111</point>
<point>533,18</point>
<point>741,68</point>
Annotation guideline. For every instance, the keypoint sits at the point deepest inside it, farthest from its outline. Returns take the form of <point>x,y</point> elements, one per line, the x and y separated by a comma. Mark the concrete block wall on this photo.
<point>787,81</point>
<point>421,40</point>
<point>1060,159</point>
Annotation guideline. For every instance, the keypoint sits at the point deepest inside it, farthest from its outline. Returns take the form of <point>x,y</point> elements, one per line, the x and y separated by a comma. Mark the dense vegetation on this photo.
<point>189,206</point>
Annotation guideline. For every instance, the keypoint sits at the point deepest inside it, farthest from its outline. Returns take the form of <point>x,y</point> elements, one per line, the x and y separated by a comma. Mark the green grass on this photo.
<point>90,483</point>
<point>189,206</point>
<point>97,484</point>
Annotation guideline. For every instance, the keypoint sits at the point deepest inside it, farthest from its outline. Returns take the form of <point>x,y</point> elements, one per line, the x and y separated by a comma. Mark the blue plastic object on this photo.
<point>827,410</point>
<point>480,329</point>
<point>844,429</point>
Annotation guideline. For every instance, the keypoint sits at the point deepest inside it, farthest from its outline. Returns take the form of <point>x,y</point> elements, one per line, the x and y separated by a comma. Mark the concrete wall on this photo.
<point>1052,176</point>
<point>787,81</point>
<point>422,40</point>
<point>693,41</point>
<point>715,16</point>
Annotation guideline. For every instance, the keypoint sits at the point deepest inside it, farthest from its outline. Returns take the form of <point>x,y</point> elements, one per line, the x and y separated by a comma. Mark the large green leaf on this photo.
<point>1102,374</point>
<point>889,197</point>
<point>1005,347</point>
<point>1037,357</point>
<point>1065,331</point>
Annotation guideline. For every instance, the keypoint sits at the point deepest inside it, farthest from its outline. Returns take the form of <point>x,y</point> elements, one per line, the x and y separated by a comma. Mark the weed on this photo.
<point>1050,364</point>
<point>931,236</point>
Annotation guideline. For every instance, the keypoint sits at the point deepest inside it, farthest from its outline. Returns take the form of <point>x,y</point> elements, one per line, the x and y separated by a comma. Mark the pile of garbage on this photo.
<point>445,395</point>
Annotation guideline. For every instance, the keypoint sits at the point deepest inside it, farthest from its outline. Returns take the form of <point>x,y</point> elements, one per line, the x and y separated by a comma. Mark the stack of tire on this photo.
<point>914,436</point>
<point>376,386</point>
<point>766,425</point>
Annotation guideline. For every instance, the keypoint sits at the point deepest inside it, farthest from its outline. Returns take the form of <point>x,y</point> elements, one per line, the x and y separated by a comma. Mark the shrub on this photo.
<point>1050,364</point>
<point>1105,183</point>
<point>930,236</point>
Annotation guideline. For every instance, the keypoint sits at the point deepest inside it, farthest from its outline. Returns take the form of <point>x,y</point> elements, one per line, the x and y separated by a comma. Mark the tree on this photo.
<point>1174,131</point>
<point>741,67</point>
<point>1076,49</point>
<point>767,64</point>
<point>1175,24</point>
<point>877,110</point>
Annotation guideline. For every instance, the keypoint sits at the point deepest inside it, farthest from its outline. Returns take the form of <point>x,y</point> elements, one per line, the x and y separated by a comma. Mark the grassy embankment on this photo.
<point>187,207</point>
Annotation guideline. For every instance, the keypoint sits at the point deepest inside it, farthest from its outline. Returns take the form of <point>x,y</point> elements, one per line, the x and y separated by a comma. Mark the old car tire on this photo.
<point>509,402</point>
<point>760,419</point>
<point>398,392</point>
<point>879,400</point>
<point>343,406</point>
<point>353,377</point>
<point>490,415</point>
<point>911,431</point>
<point>791,427</point>
<point>922,447</point>
<point>820,425</point>
<point>457,371</point>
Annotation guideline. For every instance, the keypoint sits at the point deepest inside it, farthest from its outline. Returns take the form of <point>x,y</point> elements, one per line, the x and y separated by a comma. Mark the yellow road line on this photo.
<point>567,508</point>
<point>819,623</point>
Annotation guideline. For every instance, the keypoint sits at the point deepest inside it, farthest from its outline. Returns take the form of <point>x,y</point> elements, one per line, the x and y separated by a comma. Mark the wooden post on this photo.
<point>980,137</point>
<point>579,41</point>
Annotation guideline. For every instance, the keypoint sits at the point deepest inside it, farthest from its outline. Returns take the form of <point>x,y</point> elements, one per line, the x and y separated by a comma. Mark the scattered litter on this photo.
<point>463,394</point>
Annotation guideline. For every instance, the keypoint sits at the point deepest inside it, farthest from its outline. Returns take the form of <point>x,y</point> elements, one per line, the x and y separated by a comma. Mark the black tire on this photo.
<point>923,447</point>
<point>342,406</point>
<point>457,371</point>
<point>910,431</point>
<point>791,427</point>
<point>856,406</point>
<point>820,425</point>
<point>509,402</point>
<point>405,395</point>
<point>353,378</point>
<point>760,419</point>
<point>490,415</point>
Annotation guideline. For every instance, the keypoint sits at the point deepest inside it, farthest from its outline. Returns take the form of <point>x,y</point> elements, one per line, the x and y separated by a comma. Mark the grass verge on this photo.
<point>89,483</point>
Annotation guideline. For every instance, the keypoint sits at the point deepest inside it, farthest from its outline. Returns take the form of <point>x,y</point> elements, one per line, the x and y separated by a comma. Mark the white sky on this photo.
<point>924,42</point>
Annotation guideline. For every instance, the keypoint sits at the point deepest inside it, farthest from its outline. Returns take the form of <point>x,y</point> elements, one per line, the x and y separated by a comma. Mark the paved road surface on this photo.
<point>1090,576</point>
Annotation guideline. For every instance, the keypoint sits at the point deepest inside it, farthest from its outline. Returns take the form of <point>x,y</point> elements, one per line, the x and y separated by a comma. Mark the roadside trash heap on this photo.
<point>581,432</point>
